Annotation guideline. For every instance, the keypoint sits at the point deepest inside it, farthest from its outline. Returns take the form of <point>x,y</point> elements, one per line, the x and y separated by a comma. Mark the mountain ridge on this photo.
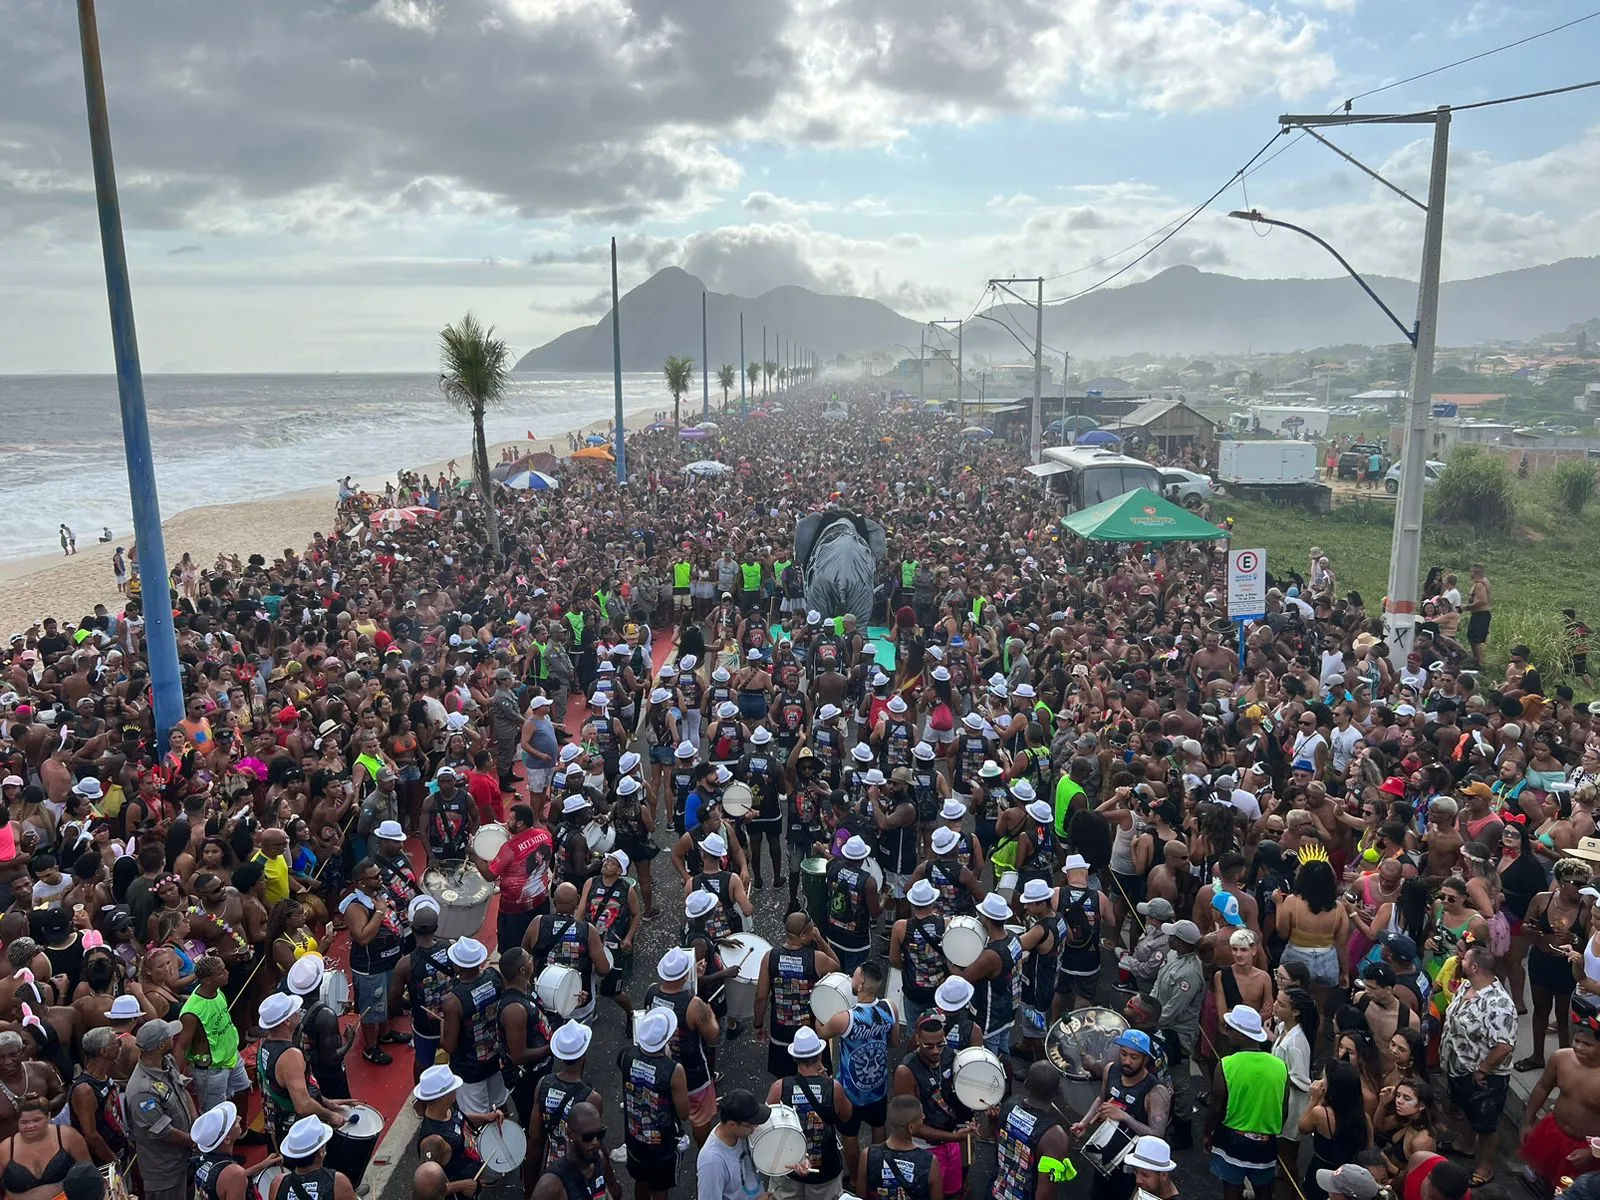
<point>1182,310</point>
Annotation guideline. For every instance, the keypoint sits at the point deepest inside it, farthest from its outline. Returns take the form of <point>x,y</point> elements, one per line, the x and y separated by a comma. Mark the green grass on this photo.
<point>1541,568</point>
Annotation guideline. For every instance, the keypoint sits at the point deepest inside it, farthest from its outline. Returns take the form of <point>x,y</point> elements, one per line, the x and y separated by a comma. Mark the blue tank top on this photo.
<point>864,1052</point>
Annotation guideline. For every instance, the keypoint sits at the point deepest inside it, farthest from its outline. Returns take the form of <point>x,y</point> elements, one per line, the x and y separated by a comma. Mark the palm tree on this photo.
<point>783,378</point>
<point>769,369</point>
<point>754,372</point>
<point>727,376</point>
<point>679,373</point>
<point>474,367</point>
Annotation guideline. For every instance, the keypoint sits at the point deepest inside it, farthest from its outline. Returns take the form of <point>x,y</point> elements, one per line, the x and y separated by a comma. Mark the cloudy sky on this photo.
<point>321,184</point>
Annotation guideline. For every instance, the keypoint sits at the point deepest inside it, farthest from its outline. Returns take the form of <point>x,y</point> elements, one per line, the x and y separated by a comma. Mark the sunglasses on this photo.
<point>597,1135</point>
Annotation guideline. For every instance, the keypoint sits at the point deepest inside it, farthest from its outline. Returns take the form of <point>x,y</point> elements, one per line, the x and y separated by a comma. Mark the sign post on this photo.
<point>1247,590</point>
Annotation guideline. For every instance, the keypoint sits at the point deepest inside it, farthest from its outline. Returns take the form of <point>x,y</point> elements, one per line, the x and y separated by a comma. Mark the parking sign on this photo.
<point>1247,584</point>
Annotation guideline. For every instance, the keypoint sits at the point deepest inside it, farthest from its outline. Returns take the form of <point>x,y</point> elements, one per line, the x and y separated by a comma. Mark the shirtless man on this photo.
<point>1170,881</point>
<point>1443,842</point>
<point>1557,1144</point>
<point>1212,660</point>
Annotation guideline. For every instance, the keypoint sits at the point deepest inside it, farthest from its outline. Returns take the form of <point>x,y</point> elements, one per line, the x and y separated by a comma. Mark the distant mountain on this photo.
<point>662,316</point>
<point>1187,311</point>
<point>1181,311</point>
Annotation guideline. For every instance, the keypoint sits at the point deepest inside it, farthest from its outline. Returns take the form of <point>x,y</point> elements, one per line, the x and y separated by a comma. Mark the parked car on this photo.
<point>1430,476</point>
<point>1188,488</point>
<point>1353,460</point>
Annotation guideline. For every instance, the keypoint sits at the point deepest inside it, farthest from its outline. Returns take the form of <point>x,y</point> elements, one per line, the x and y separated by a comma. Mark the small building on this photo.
<point>1170,426</point>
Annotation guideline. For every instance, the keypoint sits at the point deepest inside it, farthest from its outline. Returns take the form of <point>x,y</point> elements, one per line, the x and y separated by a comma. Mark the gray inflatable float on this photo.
<point>841,555</point>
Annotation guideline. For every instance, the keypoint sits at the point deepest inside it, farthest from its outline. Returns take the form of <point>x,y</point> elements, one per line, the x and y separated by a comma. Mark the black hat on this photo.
<point>742,1107</point>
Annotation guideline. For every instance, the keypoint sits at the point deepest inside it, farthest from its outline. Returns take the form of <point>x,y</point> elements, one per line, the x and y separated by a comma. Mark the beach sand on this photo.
<point>49,585</point>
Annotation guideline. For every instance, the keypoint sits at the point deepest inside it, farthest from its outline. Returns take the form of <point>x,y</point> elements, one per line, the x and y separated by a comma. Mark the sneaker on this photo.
<point>378,1055</point>
<point>395,1038</point>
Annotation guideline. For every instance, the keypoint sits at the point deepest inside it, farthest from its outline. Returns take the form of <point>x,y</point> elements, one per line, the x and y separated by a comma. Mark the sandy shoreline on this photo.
<point>52,585</point>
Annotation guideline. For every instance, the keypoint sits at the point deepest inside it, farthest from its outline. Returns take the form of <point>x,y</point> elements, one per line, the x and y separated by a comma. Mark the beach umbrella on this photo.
<point>402,516</point>
<point>594,454</point>
<point>693,434</point>
<point>658,426</point>
<point>1099,437</point>
<point>977,433</point>
<point>708,466</point>
<point>709,426</point>
<point>532,481</point>
<point>595,439</point>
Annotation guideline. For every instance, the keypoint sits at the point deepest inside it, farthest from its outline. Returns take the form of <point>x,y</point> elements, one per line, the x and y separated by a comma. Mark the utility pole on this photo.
<point>705,364</point>
<point>763,360</point>
<point>960,400</point>
<point>160,640</point>
<point>1036,435</point>
<point>922,353</point>
<point>1405,551</point>
<point>743,403</point>
<point>620,452</point>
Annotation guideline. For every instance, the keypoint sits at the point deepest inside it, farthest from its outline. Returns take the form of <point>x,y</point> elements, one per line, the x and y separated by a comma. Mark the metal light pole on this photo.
<point>764,379</point>
<point>160,641</point>
<point>961,408</point>
<point>743,404</point>
<point>1036,434</point>
<point>922,353</point>
<point>1405,551</point>
<point>705,364</point>
<point>620,443</point>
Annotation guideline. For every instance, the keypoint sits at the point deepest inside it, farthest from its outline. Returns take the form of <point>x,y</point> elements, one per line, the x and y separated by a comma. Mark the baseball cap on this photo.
<point>1349,1180</point>
<point>1159,909</point>
<point>1184,931</point>
<point>1399,944</point>
<point>1134,1039</point>
<point>1227,906</point>
<point>742,1107</point>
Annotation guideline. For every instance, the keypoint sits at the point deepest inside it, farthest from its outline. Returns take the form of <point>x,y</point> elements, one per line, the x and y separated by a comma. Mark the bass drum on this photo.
<point>355,1141</point>
<point>1078,1044</point>
<point>602,838</point>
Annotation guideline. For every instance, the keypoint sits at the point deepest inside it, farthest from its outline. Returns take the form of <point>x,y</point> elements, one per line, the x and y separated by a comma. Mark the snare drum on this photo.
<point>963,941</point>
<point>979,1078</point>
<point>875,869</point>
<point>832,995</point>
<point>778,1146</point>
<point>502,1147</point>
<point>557,988</point>
<point>747,953</point>
<point>602,839</point>
<point>1107,1146</point>
<point>355,1141</point>
<point>487,841</point>
<point>737,799</point>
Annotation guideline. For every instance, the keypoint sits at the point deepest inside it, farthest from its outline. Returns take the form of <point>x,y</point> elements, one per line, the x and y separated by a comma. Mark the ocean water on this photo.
<point>218,439</point>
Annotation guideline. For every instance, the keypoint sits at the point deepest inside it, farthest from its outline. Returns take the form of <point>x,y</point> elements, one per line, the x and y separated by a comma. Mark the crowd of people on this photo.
<point>1320,885</point>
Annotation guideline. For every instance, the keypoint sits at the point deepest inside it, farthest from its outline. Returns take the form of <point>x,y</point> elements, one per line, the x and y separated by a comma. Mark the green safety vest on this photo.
<point>752,576</point>
<point>778,568</point>
<point>680,574</point>
<point>575,619</point>
<point>977,609</point>
<point>838,626</point>
<point>908,572</point>
<point>544,667</point>
<point>600,601</point>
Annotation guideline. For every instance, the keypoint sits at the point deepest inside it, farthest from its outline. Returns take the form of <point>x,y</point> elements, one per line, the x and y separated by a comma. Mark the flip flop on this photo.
<point>1528,1064</point>
<point>1479,1179</point>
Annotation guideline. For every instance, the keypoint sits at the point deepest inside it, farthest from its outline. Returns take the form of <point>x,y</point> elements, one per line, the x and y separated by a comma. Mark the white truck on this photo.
<point>1290,421</point>
<point>1275,469</point>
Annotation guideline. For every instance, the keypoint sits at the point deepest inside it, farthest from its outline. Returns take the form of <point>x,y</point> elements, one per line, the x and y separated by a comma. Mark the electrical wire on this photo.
<point>1176,229</point>
<point>1427,113</point>
<point>1471,58</point>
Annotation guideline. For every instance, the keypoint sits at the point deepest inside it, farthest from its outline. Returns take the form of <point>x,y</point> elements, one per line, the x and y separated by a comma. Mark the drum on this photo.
<point>747,953</point>
<point>1077,1046</point>
<point>737,799</point>
<point>354,1141</point>
<point>1007,887</point>
<point>780,1144</point>
<point>463,897</point>
<point>897,994</point>
<point>502,1147</point>
<point>602,839</point>
<point>1107,1146</point>
<point>831,996</point>
<point>557,988</point>
<point>814,876</point>
<point>963,941</point>
<point>874,868</point>
<point>264,1181</point>
<point>487,841</point>
<point>335,990</point>
<point>979,1077</point>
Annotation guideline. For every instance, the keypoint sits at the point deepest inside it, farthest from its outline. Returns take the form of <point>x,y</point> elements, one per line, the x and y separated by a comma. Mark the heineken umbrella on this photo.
<point>1140,516</point>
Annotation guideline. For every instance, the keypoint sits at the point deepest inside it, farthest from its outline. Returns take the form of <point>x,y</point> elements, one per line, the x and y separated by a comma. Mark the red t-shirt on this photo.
<point>523,869</point>
<point>485,791</point>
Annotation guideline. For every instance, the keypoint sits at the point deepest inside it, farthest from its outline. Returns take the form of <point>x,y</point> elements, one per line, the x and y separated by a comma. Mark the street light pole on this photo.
<point>960,399</point>
<point>922,353</point>
<point>160,639</point>
<point>1405,551</point>
<point>1036,432</point>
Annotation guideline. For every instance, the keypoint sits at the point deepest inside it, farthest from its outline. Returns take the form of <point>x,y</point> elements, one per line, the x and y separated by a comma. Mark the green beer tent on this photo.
<point>1140,516</point>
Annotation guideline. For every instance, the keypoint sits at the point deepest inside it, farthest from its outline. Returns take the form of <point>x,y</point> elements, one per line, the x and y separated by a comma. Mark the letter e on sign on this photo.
<point>1247,584</point>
